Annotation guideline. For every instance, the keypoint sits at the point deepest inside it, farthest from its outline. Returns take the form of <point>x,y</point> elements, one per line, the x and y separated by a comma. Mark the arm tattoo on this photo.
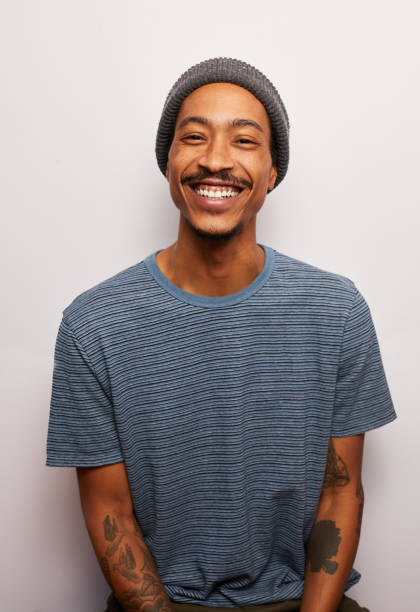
<point>112,535</point>
<point>126,565</point>
<point>134,600</point>
<point>322,545</point>
<point>336,472</point>
<point>149,594</point>
<point>112,548</point>
<point>110,529</point>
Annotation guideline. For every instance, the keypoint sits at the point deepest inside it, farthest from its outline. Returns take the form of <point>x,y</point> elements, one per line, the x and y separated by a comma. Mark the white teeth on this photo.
<point>209,193</point>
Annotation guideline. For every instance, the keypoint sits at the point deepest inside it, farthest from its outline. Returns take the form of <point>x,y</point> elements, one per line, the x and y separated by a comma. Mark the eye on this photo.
<point>195,137</point>
<point>245,141</point>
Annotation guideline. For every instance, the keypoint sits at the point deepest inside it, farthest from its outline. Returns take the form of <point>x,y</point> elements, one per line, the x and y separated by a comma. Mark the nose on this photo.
<point>217,155</point>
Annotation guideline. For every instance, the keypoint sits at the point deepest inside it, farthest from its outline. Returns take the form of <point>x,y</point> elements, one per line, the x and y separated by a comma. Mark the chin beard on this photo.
<point>215,236</point>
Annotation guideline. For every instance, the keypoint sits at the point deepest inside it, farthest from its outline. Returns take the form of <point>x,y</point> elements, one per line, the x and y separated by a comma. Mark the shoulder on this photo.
<point>108,300</point>
<point>306,281</point>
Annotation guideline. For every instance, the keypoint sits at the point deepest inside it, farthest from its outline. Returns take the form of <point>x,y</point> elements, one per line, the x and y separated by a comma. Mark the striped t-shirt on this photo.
<point>221,409</point>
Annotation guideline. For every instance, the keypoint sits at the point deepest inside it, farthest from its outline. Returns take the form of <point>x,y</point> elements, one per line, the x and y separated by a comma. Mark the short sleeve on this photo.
<point>81,428</point>
<point>362,396</point>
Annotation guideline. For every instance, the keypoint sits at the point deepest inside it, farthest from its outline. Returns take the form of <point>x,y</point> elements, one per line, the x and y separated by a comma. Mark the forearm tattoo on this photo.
<point>323,544</point>
<point>336,472</point>
<point>137,568</point>
<point>134,600</point>
<point>324,540</point>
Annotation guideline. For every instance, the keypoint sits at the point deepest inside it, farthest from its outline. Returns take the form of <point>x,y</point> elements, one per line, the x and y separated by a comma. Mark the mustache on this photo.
<point>222,176</point>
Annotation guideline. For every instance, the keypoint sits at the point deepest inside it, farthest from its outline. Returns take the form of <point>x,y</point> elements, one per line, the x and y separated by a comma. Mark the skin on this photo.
<point>216,252</point>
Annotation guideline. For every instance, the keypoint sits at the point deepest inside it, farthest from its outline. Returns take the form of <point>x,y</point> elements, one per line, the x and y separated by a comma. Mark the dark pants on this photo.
<point>291,605</point>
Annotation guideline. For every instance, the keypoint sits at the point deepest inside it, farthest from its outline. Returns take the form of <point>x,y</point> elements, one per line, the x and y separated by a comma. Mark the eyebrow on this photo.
<point>233,123</point>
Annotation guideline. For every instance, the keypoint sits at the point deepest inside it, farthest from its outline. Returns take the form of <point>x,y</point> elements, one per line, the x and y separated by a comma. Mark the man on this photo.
<point>214,397</point>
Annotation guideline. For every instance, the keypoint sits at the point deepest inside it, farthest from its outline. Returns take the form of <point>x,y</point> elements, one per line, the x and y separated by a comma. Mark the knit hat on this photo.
<point>229,70</point>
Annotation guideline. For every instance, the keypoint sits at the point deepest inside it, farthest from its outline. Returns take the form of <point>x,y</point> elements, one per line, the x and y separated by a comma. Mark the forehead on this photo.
<point>222,102</point>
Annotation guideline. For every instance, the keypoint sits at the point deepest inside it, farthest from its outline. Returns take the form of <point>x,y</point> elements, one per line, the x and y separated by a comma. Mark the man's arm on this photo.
<point>332,544</point>
<point>126,562</point>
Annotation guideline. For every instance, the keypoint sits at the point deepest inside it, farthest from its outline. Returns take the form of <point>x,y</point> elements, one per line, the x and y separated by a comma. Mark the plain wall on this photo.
<point>82,87</point>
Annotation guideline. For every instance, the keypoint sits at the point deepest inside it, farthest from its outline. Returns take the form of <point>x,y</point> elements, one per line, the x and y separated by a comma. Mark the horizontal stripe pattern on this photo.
<point>221,409</point>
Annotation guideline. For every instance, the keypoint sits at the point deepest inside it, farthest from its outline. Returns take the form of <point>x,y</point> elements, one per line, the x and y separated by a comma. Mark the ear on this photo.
<point>272,178</point>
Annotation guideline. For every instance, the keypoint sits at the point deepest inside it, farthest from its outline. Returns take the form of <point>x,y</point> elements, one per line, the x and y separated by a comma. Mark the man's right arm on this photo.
<point>126,561</point>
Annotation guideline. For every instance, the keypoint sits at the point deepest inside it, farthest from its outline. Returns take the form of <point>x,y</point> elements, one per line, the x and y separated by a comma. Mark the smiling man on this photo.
<point>214,397</point>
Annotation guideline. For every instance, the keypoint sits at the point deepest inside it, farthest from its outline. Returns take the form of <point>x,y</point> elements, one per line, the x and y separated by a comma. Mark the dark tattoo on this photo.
<point>336,472</point>
<point>111,532</point>
<point>126,564</point>
<point>127,558</point>
<point>133,600</point>
<point>110,529</point>
<point>323,544</point>
<point>112,548</point>
<point>149,594</point>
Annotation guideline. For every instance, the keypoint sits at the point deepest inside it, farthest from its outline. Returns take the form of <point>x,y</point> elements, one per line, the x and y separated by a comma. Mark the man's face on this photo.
<point>219,164</point>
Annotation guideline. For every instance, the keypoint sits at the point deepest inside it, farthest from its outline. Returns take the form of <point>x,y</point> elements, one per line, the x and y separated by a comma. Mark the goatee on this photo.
<point>215,236</point>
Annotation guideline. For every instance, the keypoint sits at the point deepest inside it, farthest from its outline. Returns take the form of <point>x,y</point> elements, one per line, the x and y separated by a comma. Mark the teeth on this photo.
<point>216,193</point>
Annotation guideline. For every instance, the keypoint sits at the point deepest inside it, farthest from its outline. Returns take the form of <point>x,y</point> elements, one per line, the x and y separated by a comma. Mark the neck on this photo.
<point>212,268</point>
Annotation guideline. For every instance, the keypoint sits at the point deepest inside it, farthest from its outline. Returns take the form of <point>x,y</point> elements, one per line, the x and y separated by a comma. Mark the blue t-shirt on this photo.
<point>221,409</point>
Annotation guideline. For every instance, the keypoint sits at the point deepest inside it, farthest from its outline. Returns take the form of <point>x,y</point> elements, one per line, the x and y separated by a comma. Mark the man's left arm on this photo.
<point>332,544</point>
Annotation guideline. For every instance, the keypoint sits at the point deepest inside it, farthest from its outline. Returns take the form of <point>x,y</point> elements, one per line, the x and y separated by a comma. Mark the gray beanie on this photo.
<point>229,70</point>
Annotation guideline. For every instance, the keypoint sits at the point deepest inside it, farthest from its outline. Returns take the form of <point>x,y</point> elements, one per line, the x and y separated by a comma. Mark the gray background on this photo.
<point>83,84</point>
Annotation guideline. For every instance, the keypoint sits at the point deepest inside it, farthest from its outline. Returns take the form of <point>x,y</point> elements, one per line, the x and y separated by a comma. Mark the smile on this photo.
<point>215,196</point>
<point>215,191</point>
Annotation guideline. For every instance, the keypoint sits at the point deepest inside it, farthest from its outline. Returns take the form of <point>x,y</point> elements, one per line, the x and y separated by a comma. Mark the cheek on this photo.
<point>257,162</point>
<point>260,173</point>
<point>178,164</point>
